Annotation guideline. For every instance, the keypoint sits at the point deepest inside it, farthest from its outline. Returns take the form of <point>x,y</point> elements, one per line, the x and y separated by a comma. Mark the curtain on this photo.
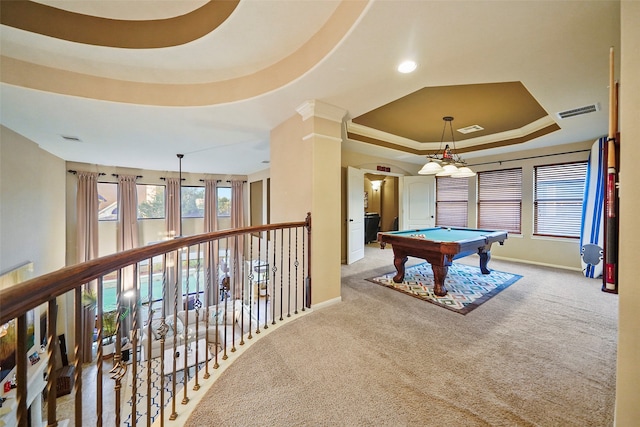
<point>128,212</point>
<point>87,248</point>
<point>128,221</point>
<point>87,216</point>
<point>173,207</point>
<point>210,205</point>
<point>174,228</point>
<point>211,224</point>
<point>236,247</point>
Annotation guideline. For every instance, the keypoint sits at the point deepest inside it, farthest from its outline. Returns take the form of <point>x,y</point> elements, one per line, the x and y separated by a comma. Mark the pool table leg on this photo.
<point>485,256</point>
<point>398,262</point>
<point>439,274</point>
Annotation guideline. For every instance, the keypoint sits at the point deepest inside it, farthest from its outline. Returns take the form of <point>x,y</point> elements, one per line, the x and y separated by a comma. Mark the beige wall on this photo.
<point>305,177</point>
<point>390,205</point>
<point>374,201</point>
<point>263,178</point>
<point>628,368</point>
<point>32,214</point>
<point>291,163</point>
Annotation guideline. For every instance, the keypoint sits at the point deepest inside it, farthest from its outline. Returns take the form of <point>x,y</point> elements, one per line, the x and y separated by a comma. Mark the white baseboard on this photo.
<point>542,264</point>
<point>327,303</point>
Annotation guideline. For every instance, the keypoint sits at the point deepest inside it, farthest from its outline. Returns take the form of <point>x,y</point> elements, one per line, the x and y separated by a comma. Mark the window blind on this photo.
<point>559,191</point>
<point>500,200</point>
<point>452,199</point>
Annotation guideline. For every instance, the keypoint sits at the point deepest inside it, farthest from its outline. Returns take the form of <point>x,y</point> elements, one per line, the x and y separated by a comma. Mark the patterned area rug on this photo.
<point>141,392</point>
<point>156,396</point>
<point>467,287</point>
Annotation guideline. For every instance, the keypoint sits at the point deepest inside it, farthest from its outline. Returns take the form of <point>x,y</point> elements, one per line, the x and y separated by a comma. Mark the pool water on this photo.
<point>109,289</point>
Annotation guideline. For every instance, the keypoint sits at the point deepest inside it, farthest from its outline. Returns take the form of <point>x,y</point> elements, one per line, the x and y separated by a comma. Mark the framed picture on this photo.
<point>8,332</point>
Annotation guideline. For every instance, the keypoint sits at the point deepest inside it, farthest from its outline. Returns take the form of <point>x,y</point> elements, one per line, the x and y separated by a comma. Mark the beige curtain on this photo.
<point>87,248</point>
<point>87,216</point>
<point>211,251</point>
<point>174,229</point>
<point>173,207</point>
<point>128,222</point>
<point>236,247</point>
<point>128,212</point>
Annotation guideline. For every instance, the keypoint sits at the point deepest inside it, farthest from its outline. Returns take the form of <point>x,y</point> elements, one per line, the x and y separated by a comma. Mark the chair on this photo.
<point>371,227</point>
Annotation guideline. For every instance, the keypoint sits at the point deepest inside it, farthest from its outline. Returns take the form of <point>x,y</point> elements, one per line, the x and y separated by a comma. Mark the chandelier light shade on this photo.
<point>446,162</point>
<point>448,170</point>
<point>430,168</point>
<point>463,172</point>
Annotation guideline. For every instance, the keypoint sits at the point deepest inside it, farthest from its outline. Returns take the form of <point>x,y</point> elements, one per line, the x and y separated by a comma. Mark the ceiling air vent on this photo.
<point>578,111</point>
<point>470,129</point>
<point>71,138</point>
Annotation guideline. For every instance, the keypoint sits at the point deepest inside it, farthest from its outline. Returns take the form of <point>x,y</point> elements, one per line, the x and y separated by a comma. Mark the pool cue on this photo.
<point>611,252</point>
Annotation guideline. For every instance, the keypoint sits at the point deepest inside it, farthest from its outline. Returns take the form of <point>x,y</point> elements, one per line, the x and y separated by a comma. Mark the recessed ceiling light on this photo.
<point>407,67</point>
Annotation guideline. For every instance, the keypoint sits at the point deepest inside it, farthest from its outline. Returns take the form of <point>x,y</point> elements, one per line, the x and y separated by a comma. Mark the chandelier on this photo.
<point>446,162</point>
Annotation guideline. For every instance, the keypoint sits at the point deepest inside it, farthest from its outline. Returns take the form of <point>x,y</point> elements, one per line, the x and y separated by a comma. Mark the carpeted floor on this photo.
<point>466,286</point>
<point>540,353</point>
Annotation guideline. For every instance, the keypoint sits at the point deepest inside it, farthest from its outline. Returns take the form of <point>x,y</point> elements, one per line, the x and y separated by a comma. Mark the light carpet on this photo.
<point>541,354</point>
<point>466,286</point>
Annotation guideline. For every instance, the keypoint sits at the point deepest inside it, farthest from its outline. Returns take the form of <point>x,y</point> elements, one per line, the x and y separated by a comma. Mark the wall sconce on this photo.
<point>375,185</point>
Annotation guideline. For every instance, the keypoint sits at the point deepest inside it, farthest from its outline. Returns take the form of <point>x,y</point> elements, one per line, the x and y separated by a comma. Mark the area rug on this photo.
<point>466,285</point>
<point>156,384</point>
<point>141,393</point>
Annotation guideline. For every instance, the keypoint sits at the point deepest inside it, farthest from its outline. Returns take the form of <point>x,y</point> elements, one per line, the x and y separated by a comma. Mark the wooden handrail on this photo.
<point>27,295</point>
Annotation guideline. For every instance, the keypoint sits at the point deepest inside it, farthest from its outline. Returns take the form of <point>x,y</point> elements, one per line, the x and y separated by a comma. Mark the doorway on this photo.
<point>381,198</point>
<point>401,202</point>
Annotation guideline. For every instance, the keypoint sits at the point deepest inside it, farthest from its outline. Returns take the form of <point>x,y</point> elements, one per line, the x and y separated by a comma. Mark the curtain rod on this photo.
<point>164,179</point>
<point>116,175</point>
<point>76,172</point>
<point>219,180</point>
<point>529,158</point>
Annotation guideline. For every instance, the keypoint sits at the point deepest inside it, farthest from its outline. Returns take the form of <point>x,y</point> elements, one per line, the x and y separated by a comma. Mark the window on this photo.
<point>193,202</point>
<point>224,207</point>
<point>452,199</point>
<point>500,200</point>
<point>224,201</point>
<point>107,201</point>
<point>150,201</point>
<point>559,190</point>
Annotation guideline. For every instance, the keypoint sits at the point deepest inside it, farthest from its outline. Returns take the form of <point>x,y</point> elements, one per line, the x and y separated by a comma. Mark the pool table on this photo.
<point>440,246</point>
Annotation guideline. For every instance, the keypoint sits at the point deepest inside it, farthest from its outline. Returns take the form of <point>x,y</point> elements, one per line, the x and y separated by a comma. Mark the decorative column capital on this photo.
<point>315,108</point>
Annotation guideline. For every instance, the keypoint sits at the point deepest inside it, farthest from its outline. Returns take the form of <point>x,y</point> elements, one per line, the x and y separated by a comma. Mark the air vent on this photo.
<point>578,111</point>
<point>71,138</point>
<point>471,129</point>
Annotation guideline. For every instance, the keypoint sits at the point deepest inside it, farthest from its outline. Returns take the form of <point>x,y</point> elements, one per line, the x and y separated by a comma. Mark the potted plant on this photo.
<point>109,322</point>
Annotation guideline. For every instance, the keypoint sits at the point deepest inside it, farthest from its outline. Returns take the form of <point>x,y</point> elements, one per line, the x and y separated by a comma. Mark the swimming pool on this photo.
<point>109,289</point>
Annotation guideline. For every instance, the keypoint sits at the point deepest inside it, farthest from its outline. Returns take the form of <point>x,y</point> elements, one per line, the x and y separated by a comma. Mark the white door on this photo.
<point>355,215</point>
<point>417,195</point>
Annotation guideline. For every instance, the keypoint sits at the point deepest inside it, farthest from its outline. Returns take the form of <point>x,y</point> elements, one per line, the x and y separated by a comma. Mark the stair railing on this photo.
<point>175,308</point>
